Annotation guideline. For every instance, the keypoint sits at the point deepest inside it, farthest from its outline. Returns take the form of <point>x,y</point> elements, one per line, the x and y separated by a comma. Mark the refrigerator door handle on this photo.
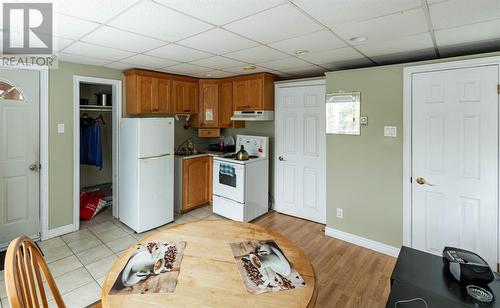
<point>155,157</point>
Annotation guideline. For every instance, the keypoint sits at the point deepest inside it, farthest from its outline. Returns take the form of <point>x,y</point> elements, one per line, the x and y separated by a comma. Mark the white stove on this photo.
<point>240,188</point>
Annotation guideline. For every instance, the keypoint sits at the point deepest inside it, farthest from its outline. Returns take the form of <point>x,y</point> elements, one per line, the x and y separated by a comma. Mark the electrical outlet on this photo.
<point>340,213</point>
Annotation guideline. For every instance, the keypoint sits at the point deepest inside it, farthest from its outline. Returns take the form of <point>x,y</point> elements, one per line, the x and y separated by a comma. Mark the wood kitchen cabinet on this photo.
<point>147,94</point>
<point>195,182</point>
<point>253,92</point>
<point>209,104</point>
<point>185,96</point>
<point>226,107</point>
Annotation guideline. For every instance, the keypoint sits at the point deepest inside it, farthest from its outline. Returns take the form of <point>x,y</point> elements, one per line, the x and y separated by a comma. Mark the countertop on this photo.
<point>205,153</point>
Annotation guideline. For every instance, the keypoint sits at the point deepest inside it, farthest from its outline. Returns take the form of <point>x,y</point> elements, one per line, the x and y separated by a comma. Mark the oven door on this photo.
<point>228,184</point>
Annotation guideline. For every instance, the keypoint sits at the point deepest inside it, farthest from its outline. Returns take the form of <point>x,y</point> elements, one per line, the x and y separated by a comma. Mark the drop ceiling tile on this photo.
<point>218,62</point>
<point>348,64</point>
<point>187,69</point>
<point>215,74</point>
<point>334,55</point>
<point>405,57</point>
<point>60,43</point>
<point>334,13</point>
<point>120,65</point>
<point>275,24</point>
<point>154,20</point>
<point>222,11</point>
<point>287,63</point>
<point>241,71</point>
<point>484,31</point>
<point>95,10</point>
<point>119,39</point>
<point>397,45</point>
<point>81,59</point>
<point>304,71</point>
<point>317,41</point>
<point>149,61</point>
<point>217,41</point>
<point>72,28</point>
<point>178,53</point>
<point>464,12</point>
<point>94,51</point>
<point>282,74</point>
<point>257,54</point>
<point>387,27</point>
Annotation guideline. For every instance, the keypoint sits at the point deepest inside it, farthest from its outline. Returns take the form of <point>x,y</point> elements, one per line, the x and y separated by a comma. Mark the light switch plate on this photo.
<point>60,128</point>
<point>390,131</point>
<point>363,120</point>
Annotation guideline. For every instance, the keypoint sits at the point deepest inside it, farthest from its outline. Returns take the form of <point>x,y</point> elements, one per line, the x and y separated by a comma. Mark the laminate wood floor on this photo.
<point>347,275</point>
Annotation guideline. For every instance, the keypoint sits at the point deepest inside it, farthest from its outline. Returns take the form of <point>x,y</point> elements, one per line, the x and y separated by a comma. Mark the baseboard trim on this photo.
<point>59,231</point>
<point>363,242</point>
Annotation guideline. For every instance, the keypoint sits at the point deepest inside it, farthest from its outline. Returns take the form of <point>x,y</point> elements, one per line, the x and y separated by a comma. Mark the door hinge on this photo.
<point>498,268</point>
<point>411,179</point>
<point>498,88</point>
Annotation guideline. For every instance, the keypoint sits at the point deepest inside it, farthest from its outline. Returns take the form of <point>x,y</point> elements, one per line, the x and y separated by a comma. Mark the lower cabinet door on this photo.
<point>196,182</point>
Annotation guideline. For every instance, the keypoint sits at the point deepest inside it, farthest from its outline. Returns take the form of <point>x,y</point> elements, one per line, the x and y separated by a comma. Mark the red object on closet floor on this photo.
<point>91,203</point>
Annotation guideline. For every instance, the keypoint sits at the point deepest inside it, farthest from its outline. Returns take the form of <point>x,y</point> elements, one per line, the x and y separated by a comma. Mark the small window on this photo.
<point>10,92</point>
<point>342,113</point>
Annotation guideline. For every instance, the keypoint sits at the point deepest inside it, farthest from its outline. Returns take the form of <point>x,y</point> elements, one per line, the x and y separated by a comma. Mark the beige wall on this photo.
<point>364,173</point>
<point>61,145</point>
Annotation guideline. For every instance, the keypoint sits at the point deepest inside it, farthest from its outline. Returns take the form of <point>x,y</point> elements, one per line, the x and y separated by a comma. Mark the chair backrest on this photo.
<point>24,266</point>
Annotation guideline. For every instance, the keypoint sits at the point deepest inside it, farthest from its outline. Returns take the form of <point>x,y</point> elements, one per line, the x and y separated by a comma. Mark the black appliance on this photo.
<point>467,267</point>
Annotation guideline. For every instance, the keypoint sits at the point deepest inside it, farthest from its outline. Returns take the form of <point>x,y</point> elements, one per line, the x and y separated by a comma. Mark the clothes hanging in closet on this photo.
<point>90,141</point>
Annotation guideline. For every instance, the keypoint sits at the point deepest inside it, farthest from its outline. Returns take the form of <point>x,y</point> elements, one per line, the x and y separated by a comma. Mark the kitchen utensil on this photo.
<point>242,154</point>
<point>103,99</point>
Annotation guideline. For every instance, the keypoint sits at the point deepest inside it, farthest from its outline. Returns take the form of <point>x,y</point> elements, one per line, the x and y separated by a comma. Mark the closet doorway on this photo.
<point>97,112</point>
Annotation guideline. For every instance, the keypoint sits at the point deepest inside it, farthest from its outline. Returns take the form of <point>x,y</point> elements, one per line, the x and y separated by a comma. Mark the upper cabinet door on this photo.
<point>191,98</point>
<point>255,93</point>
<point>225,104</point>
<point>178,96</point>
<point>240,95</point>
<point>209,104</point>
<point>147,93</point>
<point>164,96</point>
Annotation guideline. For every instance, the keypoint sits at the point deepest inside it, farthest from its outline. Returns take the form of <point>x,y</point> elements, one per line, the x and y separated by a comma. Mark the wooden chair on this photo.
<point>24,266</point>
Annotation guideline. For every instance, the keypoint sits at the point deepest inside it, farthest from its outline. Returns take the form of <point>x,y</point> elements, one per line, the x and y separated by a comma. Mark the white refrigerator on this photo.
<point>146,198</point>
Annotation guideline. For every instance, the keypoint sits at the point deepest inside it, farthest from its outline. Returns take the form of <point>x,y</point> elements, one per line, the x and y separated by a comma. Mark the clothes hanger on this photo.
<point>100,119</point>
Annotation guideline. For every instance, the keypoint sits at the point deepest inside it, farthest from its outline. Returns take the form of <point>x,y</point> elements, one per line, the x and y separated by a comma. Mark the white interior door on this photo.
<point>300,151</point>
<point>455,160</point>
<point>19,154</point>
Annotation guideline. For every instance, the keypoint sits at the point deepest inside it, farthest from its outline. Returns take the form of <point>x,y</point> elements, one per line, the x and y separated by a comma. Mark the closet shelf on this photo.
<point>95,108</point>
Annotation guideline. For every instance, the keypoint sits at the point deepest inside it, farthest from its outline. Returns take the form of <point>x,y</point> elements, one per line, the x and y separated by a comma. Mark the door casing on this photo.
<point>116,117</point>
<point>407,134</point>
<point>44,143</point>
<point>315,81</point>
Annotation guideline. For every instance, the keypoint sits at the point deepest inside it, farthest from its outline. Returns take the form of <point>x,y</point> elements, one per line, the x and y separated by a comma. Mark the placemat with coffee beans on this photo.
<point>263,267</point>
<point>152,268</point>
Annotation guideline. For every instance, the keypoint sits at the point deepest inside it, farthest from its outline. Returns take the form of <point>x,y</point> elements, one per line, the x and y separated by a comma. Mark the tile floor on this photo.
<point>80,260</point>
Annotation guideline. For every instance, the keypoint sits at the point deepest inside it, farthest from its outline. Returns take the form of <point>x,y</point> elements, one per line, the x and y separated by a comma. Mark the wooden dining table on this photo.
<point>209,276</point>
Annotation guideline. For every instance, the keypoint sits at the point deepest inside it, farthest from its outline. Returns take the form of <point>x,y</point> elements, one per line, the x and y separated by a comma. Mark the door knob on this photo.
<point>34,167</point>
<point>281,158</point>
<point>421,181</point>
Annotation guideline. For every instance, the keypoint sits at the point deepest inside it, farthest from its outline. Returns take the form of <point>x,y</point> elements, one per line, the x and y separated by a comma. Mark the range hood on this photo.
<point>258,115</point>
